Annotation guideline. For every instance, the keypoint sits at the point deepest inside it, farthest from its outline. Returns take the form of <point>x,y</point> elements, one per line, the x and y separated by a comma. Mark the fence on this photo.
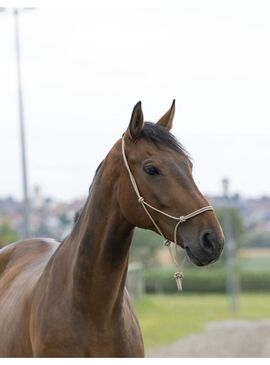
<point>135,280</point>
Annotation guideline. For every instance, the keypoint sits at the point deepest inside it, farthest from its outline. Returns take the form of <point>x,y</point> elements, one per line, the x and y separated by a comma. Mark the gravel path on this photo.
<point>234,338</point>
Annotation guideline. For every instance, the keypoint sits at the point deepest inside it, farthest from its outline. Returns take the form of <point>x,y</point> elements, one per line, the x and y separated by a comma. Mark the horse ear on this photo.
<point>136,122</point>
<point>167,119</point>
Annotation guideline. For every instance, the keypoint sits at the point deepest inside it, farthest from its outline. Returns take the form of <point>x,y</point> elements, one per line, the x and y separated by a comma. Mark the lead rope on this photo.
<point>178,275</point>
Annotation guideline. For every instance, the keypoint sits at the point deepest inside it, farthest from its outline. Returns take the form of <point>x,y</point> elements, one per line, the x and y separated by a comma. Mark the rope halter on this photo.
<point>179,220</point>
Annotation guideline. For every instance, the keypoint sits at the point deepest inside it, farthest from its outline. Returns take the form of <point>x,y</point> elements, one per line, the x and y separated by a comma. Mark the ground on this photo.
<point>229,338</point>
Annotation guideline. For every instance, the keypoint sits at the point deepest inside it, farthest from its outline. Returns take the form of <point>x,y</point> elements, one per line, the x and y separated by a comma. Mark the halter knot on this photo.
<point>141,200</point>
<point>182,219</point>
<point>167,243</point>
<point>178,278</point>
<point>178,275</point>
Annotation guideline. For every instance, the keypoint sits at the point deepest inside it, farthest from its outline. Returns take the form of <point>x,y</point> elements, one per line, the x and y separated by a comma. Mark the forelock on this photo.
<point>160,136</point>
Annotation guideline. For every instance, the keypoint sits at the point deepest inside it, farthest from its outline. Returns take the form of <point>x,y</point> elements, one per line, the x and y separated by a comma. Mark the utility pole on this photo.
<point>26,203</point>
<point>232,282</point>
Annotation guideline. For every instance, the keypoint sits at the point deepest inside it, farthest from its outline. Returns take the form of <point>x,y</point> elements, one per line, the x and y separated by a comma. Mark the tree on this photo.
<point>7,234</point>
<point>237,223</point>
<point>257,239</point>
<point>145,245</point>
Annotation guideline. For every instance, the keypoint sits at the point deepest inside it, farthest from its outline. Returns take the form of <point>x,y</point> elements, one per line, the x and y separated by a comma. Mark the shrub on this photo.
<point>160,280</point>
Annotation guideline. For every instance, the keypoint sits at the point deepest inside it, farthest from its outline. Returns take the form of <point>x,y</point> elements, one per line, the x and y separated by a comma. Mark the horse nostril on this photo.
<point>207,241</point>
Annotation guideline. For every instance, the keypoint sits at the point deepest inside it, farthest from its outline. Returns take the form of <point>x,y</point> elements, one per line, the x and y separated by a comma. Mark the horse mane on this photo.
<point>97,170</point>
<point>78,213</point>
<point>160,135</point>
<point>77,216</point>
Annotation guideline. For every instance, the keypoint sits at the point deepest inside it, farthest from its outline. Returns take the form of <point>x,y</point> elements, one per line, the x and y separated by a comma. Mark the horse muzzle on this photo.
<point>208,250</point>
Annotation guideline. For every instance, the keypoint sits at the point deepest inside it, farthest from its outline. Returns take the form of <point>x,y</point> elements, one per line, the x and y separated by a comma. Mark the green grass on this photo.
<point>164,318</point>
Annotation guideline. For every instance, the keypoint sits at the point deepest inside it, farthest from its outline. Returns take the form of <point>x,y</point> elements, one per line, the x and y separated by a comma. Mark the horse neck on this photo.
<point>97,249</point>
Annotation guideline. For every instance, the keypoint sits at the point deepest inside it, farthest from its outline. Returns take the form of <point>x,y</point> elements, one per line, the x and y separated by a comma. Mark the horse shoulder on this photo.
<point>21,265</point>
<point>25,255</point>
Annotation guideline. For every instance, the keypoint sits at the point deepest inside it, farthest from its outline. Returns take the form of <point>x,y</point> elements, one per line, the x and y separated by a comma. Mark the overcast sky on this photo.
<point>84,69</point>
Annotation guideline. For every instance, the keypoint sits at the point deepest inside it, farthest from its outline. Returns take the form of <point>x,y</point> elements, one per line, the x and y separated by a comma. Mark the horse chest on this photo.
<point>120,337</point>
<point>115,342</point>
<point>110,342</point>
<point>81,336</point>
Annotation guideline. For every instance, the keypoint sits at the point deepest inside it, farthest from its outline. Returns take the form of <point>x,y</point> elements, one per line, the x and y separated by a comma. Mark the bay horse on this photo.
<point>69,299</point>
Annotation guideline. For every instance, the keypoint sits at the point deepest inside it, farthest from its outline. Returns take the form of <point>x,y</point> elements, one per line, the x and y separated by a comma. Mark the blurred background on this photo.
<point>69,80</point>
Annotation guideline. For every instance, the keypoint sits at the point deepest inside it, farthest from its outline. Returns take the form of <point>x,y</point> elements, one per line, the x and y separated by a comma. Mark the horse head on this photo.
<point>157,177</point>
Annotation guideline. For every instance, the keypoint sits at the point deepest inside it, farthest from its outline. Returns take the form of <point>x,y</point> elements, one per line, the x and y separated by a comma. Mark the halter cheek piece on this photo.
<point>182,219</point>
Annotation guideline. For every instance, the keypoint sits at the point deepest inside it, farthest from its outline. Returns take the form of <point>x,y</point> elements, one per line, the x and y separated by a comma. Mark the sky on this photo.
<point>85,68</point>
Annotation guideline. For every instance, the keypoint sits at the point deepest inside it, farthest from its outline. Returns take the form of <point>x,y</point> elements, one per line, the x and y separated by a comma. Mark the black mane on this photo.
<point>78,213</point>
<point>99,166</point>
<point>161,136</point>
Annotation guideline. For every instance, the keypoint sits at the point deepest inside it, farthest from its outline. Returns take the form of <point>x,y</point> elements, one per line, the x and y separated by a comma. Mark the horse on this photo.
<point>68,299</point>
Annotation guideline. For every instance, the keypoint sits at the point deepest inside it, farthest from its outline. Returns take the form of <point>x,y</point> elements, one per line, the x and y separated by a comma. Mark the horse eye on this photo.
<point>151,170</point>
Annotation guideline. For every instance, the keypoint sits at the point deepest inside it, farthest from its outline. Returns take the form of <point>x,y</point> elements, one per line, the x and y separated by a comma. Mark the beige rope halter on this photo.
<point>182,219</point>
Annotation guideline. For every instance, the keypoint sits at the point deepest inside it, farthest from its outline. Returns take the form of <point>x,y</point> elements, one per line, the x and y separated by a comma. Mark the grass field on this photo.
<point>164,318</point>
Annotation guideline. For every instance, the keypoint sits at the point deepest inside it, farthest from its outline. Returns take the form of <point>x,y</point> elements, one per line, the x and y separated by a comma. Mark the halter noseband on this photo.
<point>181,219</point>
